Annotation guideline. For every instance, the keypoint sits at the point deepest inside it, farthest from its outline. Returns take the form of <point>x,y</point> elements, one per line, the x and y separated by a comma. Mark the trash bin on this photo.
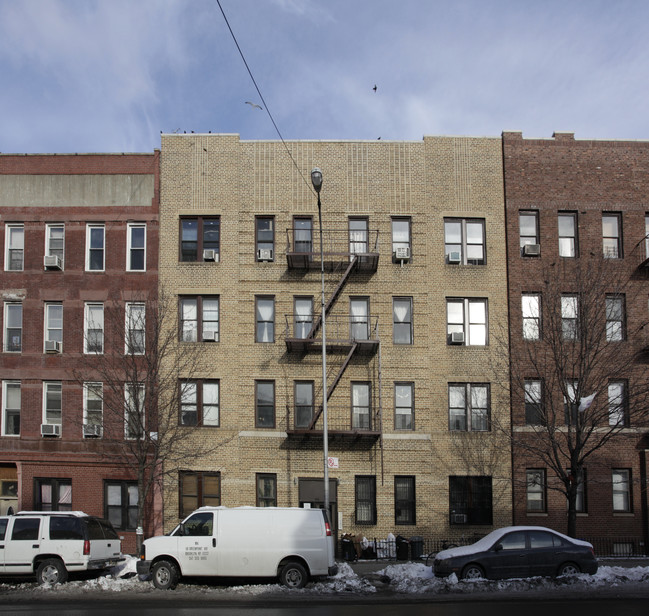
<point>416,547</point>
<point>402,548</point>
<point>348,549</point>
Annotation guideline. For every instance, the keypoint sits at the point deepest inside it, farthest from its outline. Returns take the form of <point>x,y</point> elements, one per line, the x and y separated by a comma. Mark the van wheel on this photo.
<point>165,575</point>
<point>293,575</point>
<point>51,571</point>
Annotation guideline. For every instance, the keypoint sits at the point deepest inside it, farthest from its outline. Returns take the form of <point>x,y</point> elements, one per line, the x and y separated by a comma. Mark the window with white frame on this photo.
<point>54,326</point>
<point>361,406</point>
<point>466,321</point>
<point>531,308</point>
<point>93,409</point>
<point>404,406</point>
<point>536,490</point>
<point>264,319</point>
<point>615,318</point>
<point>402,320</point>
<point>528,224</point>
<point>617,403</point>
<point>468,407</point>
<point>359,308</point>
<point>10,408</point>
<point>13,327</point>
<point>134,410</point>
<point>199,314</point>
<point>14,247</point>
<point>358,235</point>
<point>199,402</point>
<point>567,222</point>
<point>94,328</point>
<point>570,317</point>
<point>135,342</point>
<point>95,248</point>
<point>136,247</point>
<point>612,235</point>
<point>401,243</point>
<point>303,317</point>
<point>464,241</point>
<point>52,393</point>
<point>55,242</point>
<point>621,483</point>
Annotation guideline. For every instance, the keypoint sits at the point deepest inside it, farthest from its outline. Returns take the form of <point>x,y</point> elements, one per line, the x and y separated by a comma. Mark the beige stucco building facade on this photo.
<point>416,291</point>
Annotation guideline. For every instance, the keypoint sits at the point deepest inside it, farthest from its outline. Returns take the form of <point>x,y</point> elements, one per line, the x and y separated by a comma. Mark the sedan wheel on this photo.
<point>568,569</point>
<point>472,572</point>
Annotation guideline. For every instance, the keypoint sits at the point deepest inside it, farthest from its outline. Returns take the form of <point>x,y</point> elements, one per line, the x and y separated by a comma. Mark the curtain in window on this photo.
<point>303,317</point>
<point>361,406</point>
<point>265,320</point>
<point>360,324</point>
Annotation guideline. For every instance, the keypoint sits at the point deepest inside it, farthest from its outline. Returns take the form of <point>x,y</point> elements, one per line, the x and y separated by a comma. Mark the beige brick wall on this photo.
<point>427,180</point>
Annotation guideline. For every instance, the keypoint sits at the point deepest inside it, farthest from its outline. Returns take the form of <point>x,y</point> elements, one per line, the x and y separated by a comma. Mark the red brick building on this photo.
<point>578,217</point>
<point>79,237</point>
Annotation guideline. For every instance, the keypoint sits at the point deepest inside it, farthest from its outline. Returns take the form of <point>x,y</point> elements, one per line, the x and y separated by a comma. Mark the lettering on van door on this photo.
<point>196,552</point>
<point>197,544</point>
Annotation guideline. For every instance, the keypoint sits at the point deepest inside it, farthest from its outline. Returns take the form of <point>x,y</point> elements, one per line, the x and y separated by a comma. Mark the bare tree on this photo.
<point>576,373</point>
<point>142,380</point>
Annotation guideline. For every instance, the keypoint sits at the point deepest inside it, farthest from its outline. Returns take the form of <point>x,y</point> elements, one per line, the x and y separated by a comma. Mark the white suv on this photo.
<point>50,544</point>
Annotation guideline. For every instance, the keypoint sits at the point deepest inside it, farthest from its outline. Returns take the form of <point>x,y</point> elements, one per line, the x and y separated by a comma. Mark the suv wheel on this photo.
<point>165,575</point>
<point>51,571</point>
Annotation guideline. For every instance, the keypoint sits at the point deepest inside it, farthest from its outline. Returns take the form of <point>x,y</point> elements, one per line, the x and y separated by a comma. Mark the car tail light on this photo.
<point>328,529</point>
<point>86,547</point>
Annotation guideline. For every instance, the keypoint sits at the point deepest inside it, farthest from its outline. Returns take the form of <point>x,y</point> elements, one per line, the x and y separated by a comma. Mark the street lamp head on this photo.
<point>316,179</point>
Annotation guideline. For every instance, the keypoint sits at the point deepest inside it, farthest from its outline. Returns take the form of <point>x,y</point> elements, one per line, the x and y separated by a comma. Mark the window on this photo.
<point>52,392</point>
<point>464,241</point>
<point>535,480</point>
<point>358,235</point>
<point>10,408</point>
<point>468,407</point>
<point>95,248</point>
<point>615,321</point>
<point>401,236</point>
<point>14,247</point>
<point>567,234</point>
<point>134,410</point>
<point>55,242</point>
<point>404,500</point>
<point>120,509</point>
<point>646,235</point>
<point>303,316</point>
<point>466,321</point>
<point>528,223</point>
<point>13,330</point>
<point>303,228</point>
<point>470,500</point>
<point>93,409</point>
<point>580,502</point>
<point>618,404</point>
<point>198,489</point>
<point>53,494</point>
<point>266,490</point>
<point>25,529</point>
<point>199,314</point>
<point>53,326</point>
<point>402,320</point>
<point>570,317</point>
<point>265,404</point>
<point>571,402</point>
<point>94,328</point>
<point>199,403</point>
<point>135,342</point>
<point>265,238</point>
<point>404,406</point>
<point>621,479</point>
<point>612,236</point>
<point>365,499</point>
<point>265,319</point>
<point>531,307</point>
<point>534,409</point>
<point>359,308</point>
<point>303,403</point>
<point>361,406</point>
<point>136,247</point>
<point>200,238</point>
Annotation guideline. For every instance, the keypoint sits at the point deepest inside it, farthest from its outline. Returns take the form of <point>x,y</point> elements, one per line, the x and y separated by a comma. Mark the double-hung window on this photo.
<point>401,242</point>
<point>265,238</point>
<point>621,483</point>
<point>404,406</point>
<point>135,329</point>
<point>466,321</point>
<point>570,317</point>
<point>536,490</point>
<point>303,403</point>
<point>134,410</point>
<point>200,238</point>
<point>571,401</point>
<point>95,248</point>
<point>470,499</point>
<point>404,500</point>
<point>52,392</point>
<point>120,504</point>
<point>402,320</point>
<point>199,402</point>
<point>531,309</point>
<point>567,222</point>
<point>266,490</point>
<point>53,327</point>
<point>14,247</point>
<point>93,409</point>
<point>198,489</point>
<point>11,408</point>
<point>365,499</point>
<point>468,407</point>
<point>303,316</point>
<point>358,235</point>
<point>265,404</point>
<point>199,314</point>
<point>528,224</point>
<point>94,328</point>
<point>534,409</point>
<point>265,319</point>
<point>303,229</point>
<point>612,235</point>
<point>55,242</point>
<point>464,241</point>
<point>618,403</point>
<point>13,327</point>
<point>136,247</point>
<point>361,406</point>
<point>615,318</point>
<point>359,308</point>
<point>52,494</point>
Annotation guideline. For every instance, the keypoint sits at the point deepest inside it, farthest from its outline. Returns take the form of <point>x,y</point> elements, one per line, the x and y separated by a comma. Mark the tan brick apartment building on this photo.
<point>415,283</point>
<point>577,211</point>
<point>79,235</point>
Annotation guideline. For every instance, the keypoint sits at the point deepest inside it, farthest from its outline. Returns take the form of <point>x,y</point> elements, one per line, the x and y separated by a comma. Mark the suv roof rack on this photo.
<point>77,514</point>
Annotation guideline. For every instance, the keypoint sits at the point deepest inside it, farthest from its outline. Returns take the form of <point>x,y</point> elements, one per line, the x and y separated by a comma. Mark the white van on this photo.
<point>288,543</point>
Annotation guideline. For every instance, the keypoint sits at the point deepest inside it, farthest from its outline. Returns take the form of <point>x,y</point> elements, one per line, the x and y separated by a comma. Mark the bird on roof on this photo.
<point>253,105</point>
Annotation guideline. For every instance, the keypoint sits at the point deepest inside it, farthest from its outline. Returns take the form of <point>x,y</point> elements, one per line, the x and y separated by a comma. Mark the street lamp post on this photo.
<point>316,180</point>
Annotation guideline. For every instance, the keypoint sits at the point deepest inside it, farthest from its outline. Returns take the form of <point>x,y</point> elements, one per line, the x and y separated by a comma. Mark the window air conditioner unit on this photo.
<point>457,338</point>
<point>52,346</point>
<point>209,336</point>
<point>532,250</point>
<point>265,254</point>
<point>459,518</point>
<point>209,255</point>
<point>90,430</point>
<point>52,262</point>
<point>454,257</point>
<point>402,253</point>
<point>50,429</point>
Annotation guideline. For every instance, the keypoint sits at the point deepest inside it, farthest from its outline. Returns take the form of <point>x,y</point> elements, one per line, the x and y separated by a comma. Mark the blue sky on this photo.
<point>109,75</point>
